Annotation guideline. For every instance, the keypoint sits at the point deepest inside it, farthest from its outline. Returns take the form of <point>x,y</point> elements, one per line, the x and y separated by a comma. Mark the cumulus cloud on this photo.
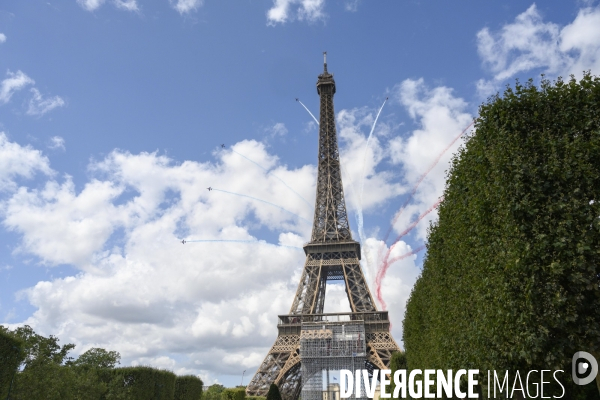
<point>13,83</point>
<point>529,43</point>
<point>38,105</point>
<point>122,230</point>
<point>303,10</point>
<point>186,6</point>
<point>19,161</point>
<point>2,38</point>
<point>440,117</point>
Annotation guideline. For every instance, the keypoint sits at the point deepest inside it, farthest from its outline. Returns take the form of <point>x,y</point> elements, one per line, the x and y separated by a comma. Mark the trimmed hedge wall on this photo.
<point>512,273</point>
<point>141,383</point>
<point>234,394</point>
<point>188,387</point>
<point>11,355</point>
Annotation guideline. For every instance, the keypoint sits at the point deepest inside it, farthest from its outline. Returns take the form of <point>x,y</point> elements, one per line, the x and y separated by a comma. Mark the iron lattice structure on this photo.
<point>331,255</point>
<point>330,347</point>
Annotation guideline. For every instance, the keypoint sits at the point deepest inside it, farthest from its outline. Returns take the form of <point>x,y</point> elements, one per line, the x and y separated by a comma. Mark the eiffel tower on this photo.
<point>331,255</point>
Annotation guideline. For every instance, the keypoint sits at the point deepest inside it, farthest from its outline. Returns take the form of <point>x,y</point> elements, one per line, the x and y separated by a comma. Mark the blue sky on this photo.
<point>111,118</point>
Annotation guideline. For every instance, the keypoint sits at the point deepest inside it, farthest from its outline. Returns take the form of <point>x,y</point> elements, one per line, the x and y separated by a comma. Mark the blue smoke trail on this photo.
<point>263,201</point>
<point>311,114</point>
<point>241,241</point>
<point>359,210</point>
<point>273,175</point>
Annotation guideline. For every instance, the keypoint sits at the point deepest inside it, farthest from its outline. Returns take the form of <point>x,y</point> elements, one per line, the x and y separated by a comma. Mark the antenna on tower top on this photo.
<point>325,61</point>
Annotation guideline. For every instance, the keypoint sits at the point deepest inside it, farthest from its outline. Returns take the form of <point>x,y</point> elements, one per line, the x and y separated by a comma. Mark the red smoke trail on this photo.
<point>387,262</point>
<point>381,275</point>
<point>414,189</point>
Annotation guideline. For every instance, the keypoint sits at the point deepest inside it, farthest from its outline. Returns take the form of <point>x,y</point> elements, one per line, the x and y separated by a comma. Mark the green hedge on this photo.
<point>11,355</point>
<point>141,383</point>
<point>511,278</point>
<point>256,398</point>
<point>234,394</point>
<point>188,387</point>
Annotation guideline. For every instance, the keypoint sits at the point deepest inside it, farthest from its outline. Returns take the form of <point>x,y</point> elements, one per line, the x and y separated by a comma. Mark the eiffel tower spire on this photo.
<point>331,255</point>
<point>331,218</point>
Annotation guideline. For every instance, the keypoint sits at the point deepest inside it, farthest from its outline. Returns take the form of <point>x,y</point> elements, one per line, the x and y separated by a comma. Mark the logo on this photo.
<point>584,364</point>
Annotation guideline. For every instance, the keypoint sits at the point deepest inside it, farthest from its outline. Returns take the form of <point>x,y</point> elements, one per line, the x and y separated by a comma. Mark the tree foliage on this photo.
<point>213,392</point>
<point>98,358</point>
<point>47,372</point>
<point>188,387</point>
<point>511,278</point>
<point>273,393</point>
<point>11,355</point>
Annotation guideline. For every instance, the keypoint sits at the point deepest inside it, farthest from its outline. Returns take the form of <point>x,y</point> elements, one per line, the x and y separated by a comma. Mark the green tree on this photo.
<point>39,349</point>
<point>397,361</point>
<point>511,278</point>
<point>98,358</point>
<point>213,392</point>
<point>273,393</point>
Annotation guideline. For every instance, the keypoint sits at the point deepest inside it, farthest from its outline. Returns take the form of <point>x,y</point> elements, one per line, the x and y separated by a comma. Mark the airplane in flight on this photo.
<point>183,241</point>
<point>222,145</point>
<point>296,99</point>
<point>209,188</point>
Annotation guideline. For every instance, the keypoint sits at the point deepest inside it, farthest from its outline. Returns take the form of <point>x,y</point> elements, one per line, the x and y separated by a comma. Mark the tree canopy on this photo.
<point>512,273</point>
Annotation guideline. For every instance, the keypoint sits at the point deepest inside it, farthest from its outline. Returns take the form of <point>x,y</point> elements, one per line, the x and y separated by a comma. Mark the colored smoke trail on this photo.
<point>240,241</point>
<point>381,274</point>
<point>421,178</point>
<point>263,201</point>
<point>359,210</point>
<point>386,259</point>
<point>275,176</point>
<point>311,114</point>
<point>414,223</point>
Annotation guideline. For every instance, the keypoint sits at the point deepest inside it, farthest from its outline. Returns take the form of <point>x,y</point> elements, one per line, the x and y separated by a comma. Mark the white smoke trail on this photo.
<point>359,209</point>
<point>311,114</point>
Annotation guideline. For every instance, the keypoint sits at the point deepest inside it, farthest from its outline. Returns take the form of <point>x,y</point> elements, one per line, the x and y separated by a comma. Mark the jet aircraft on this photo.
<point>183,241</point>
<point>209,188</point>
<point>222,145</point>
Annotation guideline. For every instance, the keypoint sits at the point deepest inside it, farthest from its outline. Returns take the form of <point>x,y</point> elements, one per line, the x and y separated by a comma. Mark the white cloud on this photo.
<point>14,82</point>
<point>358,161</point>
<point>56,142</point>
<point>2,38</point>
<point>441,117</point>
<point>529,43</point>
<point>151,294</point>
<point>90,5</point>
<point>186,6</point>
<point>19,161</point>
<point>38,105</point>
<point>303,10</point>
<point>129,5</point>
<point>278,129</point>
